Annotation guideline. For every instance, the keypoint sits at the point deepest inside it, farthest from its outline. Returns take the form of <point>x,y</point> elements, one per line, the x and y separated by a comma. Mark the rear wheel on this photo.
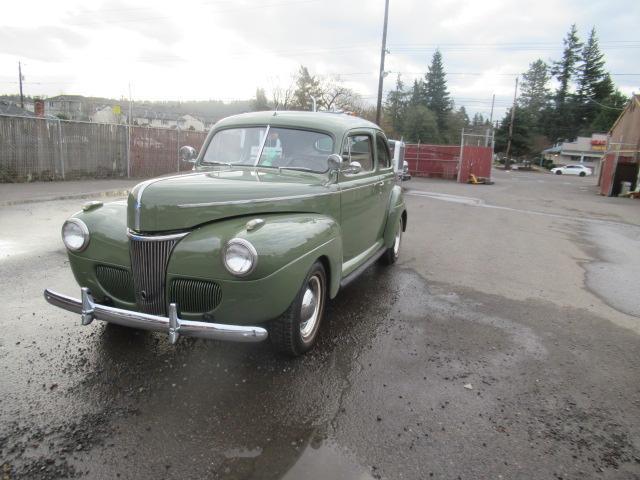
<point>582,174</point>
<point>391,254</point>
<point>296,330</point>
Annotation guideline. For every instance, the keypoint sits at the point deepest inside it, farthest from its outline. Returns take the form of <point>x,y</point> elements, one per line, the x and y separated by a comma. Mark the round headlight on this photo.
<point>240,257</point>
<point>75,235</point>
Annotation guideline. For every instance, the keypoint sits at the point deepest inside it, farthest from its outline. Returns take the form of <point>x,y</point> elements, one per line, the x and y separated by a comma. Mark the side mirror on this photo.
<point>352,168</point>
<point>188,154</point>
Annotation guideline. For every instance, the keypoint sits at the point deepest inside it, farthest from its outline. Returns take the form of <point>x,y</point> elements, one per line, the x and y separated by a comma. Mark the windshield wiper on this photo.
<point>302,169</point>
<point>218,163</point>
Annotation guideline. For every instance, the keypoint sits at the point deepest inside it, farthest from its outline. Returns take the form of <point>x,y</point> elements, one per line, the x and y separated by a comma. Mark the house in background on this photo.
<point>69,107</point>
<point>11,109</point>
<point>108,114</point>
<point>621,163</point>
<point>188,122</point>
<point>151,118</point>
<point>581,150</point>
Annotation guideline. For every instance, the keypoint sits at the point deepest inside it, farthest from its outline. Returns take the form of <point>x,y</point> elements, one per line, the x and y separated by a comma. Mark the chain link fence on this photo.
<point>40,149</point>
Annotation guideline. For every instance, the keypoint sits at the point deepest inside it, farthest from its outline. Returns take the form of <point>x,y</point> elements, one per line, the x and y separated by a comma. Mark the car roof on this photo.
<point>336,123</point>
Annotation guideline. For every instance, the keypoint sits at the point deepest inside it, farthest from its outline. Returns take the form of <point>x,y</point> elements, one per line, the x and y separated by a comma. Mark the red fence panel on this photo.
<point>154,151</point>
<point>433,160</point>
<point>476,161</point>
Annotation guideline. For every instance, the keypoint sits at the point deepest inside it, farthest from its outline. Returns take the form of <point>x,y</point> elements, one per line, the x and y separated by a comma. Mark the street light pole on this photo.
<point>383,51</point>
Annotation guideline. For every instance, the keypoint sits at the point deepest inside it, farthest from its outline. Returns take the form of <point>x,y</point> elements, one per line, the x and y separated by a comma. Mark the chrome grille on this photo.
<point>117,282</point>
<point>194,296</point>
<point>149,259</point>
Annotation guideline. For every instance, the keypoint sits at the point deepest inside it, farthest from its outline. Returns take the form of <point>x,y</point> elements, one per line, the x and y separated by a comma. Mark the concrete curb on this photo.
<point>71,196</point>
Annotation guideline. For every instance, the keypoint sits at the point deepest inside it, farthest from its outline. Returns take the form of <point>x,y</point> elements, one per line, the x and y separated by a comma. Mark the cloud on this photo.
<point>46,43</point>
<point>199,49</point>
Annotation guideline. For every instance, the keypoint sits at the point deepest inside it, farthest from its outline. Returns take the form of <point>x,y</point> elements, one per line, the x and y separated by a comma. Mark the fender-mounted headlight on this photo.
<point>75,235</point>
<point>240,257</point>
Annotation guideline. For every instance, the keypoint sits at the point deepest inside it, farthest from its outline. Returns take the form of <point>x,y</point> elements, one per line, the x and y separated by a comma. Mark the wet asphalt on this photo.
<point>498,347</point>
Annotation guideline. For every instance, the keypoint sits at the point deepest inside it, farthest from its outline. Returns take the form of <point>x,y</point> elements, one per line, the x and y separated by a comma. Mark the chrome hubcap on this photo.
<point>396,242</point>
<point>310,309</point>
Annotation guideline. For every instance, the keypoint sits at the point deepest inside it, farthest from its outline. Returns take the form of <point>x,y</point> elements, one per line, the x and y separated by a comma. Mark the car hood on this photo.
<point>187,200</point>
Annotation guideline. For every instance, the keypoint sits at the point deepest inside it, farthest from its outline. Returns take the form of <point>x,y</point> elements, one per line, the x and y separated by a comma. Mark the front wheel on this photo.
<point>391,254</point>
<point>296,330</point>
<point>558,172</point>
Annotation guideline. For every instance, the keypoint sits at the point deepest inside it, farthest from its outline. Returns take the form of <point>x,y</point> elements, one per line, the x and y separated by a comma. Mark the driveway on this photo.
<point>504,344</point>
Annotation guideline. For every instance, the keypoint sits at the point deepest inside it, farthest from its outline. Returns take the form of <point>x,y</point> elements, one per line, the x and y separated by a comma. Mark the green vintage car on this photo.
<point>280,211</point>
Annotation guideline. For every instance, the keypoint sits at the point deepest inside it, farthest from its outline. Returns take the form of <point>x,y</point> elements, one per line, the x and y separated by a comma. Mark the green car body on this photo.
<point>341,219</point>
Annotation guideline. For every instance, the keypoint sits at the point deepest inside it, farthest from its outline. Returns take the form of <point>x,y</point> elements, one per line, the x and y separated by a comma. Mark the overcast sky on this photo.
<point>224,49</point>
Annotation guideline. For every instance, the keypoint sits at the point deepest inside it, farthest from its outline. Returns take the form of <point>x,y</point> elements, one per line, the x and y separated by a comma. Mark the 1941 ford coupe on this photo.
<point>280,211</point>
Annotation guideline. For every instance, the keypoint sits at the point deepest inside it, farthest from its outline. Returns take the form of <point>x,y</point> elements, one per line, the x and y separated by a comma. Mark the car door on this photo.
<point>385,181</point>
<point>359,197</point>
<point>572,170</point>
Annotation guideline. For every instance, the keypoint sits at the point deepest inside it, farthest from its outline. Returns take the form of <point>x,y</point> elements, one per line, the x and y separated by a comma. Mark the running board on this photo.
<point>358,271</point>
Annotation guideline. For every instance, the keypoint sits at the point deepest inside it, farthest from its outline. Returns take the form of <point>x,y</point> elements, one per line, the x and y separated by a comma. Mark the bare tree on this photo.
<point>336,96</point>
<point>282,96</point>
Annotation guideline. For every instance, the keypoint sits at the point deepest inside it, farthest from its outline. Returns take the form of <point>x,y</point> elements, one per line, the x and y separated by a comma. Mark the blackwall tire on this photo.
<point>295,332</point>
<point>558,172</point>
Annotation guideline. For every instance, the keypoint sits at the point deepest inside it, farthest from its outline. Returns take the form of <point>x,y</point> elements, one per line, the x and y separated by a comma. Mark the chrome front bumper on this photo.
<point>89,310</point>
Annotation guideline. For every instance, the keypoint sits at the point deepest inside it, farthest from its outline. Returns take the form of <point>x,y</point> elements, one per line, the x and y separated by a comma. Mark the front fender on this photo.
<point>287,246</point>
<point>397,209</point>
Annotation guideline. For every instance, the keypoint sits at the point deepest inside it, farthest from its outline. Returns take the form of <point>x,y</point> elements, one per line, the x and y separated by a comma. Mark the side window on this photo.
<point>384,156</point>
<point>358,148</point>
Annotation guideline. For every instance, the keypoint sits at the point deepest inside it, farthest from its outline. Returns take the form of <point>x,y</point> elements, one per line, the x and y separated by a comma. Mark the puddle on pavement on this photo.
<point>326,460</point>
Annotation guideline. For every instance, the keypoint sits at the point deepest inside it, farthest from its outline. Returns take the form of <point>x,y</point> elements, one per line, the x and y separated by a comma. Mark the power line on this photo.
<point>166,17</point>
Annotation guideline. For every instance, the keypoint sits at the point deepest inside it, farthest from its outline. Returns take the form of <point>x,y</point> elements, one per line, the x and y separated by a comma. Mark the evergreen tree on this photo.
<point>307,86</point>
<point>437,95</point>
<point>478,120</point>
<point>260,103</point>
<point>521,140</point>
<point>395,106</point>
<point>593,84</point>
<point>563,126</point>
<point>534,93</point>
<point>564,69</point>
<point>610,110</point>
<point>418,93</point>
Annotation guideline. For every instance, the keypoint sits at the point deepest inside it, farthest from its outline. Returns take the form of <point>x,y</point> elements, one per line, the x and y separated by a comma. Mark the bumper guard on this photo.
<point>174,326</point>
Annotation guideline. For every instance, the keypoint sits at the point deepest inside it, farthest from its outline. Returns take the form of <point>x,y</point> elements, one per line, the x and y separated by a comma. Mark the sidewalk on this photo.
<point>17,193</point>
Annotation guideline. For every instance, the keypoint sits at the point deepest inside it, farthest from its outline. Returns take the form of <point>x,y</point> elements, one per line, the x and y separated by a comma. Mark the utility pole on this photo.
<point>490,127</point>
<point>130,106</point>
<point>493,101</point>
<point>383,51</point>
<point>507,160</point>
<point>20,81</point>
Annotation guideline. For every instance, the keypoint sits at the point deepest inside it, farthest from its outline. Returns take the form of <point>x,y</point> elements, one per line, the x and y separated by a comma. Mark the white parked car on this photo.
<point>572,170</point>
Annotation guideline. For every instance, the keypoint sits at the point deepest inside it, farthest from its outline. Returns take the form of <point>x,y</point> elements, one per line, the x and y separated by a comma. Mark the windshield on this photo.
<point>283,147</point>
